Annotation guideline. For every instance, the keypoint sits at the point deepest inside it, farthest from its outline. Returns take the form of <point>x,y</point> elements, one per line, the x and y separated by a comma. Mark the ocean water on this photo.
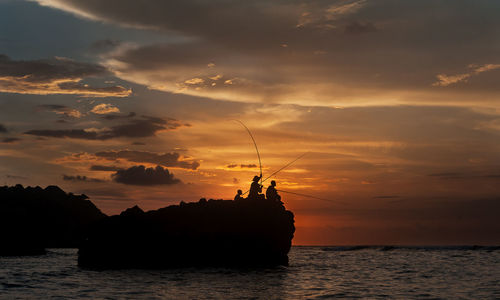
<point>314,273</point>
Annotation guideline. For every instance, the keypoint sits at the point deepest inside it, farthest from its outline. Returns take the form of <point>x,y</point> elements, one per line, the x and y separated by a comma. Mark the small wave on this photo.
<point>453,248</point>
<point>410,248</point>
<point>388,248</point>
<point>14,285</point>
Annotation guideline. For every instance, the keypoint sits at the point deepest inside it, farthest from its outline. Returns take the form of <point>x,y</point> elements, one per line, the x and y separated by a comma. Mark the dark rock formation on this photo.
<point>33,219</point>
<point>206,233</point>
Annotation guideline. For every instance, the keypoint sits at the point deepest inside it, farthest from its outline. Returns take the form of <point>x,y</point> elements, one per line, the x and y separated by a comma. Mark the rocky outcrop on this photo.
<point>33,219</point>
<point>204,233</point>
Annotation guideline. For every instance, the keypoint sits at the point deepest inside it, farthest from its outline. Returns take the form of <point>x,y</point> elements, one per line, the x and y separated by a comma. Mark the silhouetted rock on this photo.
<point>33,219</point>
<point>131,212</point>
<point>205,233</point>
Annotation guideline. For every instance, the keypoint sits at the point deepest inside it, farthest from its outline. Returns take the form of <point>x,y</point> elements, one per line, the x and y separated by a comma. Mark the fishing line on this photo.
<point>286,166</point>
<point>255,144</point>
<point>314,197</point>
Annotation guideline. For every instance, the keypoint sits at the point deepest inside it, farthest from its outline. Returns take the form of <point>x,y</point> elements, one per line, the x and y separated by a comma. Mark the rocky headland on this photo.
<point>242,233</point>
<point>34,218</point>
<point>205,233</point>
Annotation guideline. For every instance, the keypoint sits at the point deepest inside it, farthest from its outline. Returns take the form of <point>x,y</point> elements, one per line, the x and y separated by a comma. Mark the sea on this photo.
<point>366,272</point>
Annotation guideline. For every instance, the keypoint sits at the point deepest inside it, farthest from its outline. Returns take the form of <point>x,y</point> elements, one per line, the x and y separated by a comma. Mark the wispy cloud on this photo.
<point>446,80</point>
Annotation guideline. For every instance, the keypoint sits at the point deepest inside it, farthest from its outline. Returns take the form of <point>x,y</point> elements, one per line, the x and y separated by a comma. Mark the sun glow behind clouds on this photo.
<point>397,123</point>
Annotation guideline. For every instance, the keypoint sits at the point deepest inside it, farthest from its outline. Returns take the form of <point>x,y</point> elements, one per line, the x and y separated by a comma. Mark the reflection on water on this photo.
<point>314,272</point>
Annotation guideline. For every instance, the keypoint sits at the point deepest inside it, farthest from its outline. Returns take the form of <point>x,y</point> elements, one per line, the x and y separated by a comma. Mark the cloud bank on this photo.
<point>145,126</point>
<point>303,52</point>
<point>166,159</point>
<point>54,76</point>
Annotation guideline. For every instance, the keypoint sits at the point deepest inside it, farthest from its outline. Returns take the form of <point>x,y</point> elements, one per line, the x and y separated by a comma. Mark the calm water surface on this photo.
<point>314,273</point>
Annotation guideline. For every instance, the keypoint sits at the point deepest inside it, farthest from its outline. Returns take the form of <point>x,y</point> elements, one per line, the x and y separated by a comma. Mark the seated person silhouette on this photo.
<point>272,193</point>
<point>238,196</point>
<point>256,189</point>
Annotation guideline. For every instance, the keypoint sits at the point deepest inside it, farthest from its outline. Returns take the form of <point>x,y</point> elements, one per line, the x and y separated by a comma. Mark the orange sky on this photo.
<point>397,108</point>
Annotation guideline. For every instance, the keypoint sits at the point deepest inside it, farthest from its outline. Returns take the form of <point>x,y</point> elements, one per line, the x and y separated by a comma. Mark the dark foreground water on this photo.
<point>314,273</point>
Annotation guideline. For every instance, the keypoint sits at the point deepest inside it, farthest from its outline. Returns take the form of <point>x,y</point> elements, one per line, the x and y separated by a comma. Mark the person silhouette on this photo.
<point>272,193</point>
<point>255,188</point>
<point>238,196</point>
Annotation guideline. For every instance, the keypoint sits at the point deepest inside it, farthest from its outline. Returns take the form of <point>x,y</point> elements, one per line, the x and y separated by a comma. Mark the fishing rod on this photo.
<point>314,197</point>
<point>286,166</point>
<point>302,155</point>
<point>255,144</point>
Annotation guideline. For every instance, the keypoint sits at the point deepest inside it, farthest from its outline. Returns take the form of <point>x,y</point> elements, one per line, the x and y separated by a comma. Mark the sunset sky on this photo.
<point>133,102</point>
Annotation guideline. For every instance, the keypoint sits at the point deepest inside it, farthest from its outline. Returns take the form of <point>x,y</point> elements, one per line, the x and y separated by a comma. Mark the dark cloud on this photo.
<point>231,166</point>
<point>10,140</point>
<point>140,175</point>
<point>386,197</point>
<point>167,159</point>
<point>138,144</point>
<point>48,69</point>
<point>54,76</point>
<point>3,129</point>
<point>248,166</point>
<point>118,116</point>
<point>105,168</point>
<point>80,178</point>
<point>67,133</point>
<point>144,127</point>
<point>193,17</point>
